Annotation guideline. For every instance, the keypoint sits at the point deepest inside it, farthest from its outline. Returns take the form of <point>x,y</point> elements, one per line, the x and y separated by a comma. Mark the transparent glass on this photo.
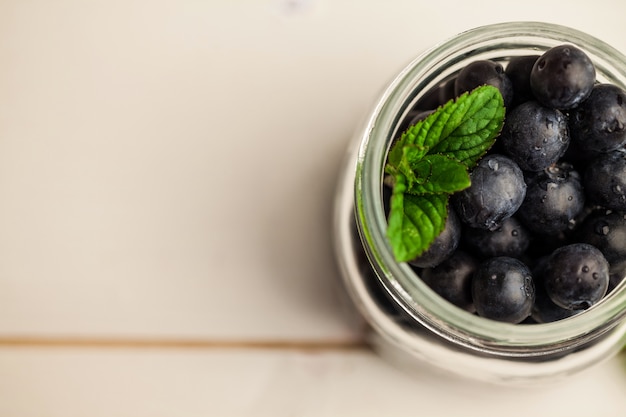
<point>411,323</point>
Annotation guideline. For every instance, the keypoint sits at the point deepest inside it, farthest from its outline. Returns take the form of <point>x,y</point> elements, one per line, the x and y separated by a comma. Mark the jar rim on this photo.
<point>399,279</point>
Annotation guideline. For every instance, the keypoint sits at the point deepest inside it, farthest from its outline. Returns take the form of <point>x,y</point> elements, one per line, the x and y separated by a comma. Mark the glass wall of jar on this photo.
<point>409,321</point>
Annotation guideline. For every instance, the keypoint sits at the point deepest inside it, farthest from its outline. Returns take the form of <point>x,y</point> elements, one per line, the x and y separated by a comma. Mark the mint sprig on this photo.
<point>431,160</point>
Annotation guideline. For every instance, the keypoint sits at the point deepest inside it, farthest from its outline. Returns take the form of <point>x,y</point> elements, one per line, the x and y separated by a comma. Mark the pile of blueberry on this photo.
<point>540,235</point>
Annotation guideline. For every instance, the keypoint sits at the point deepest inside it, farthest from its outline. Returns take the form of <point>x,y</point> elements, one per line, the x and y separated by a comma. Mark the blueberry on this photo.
<point>496,192</point>
<point>443,245</point>
<point>452,279</point>
<point>436,96</point>
<point>554,199</point>
<point>483,72</point>
<point>509,239</point>
<point>562,77</point>
<point>544,310</point>
<point>503,290</point>
<point>535,136</point>
<point>604,180</point>
<point>576,276</point>
<point>606,230</point>
<point>518,70</point>
<point>599,122</point>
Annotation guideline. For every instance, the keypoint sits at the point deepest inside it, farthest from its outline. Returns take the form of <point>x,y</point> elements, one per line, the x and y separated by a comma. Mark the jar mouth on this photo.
<point>499,41</point>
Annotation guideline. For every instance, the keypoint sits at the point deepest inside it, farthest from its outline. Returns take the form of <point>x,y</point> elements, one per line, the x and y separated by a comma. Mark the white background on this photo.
<point>166,180</point>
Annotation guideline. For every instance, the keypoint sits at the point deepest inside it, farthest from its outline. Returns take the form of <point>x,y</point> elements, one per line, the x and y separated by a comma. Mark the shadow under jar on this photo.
<point>408,322</point>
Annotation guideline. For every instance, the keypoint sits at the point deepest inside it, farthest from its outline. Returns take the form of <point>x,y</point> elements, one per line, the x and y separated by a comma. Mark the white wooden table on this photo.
<point>166,178</point>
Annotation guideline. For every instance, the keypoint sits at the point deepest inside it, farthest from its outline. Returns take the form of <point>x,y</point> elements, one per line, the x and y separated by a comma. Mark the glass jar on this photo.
<point>407,321</point>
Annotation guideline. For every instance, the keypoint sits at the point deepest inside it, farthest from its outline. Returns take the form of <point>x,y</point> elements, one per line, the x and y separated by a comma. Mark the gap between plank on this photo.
<point>124,343</point>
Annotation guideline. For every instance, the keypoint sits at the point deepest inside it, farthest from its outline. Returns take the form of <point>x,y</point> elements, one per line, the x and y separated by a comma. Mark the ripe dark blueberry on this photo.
<point>606,230</point>
<point>509,239</point>
<point>503,290</point>
<point>436,96</point>
<point>443,245</point>
<point>535,136</point>
<point>452,279</point>
<point>604,180</point>
<point>599,122</point>
<point>483,72</point>
<point>562,77</point>
<point>496,193</point>
<point>544,310</point>
<point>518,70</point>
<point>576,276</point>
<point>554,199</point>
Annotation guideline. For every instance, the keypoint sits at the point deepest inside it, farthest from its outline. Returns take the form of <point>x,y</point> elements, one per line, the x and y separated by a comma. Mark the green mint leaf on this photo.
<point>402,153</point>
<point>394,157</point>
<point>412,155</point>
<point>473,122</point>
<point>439,174</point>
<point>414,221</point>
<point>431,160</point>
<point>464,128</point>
